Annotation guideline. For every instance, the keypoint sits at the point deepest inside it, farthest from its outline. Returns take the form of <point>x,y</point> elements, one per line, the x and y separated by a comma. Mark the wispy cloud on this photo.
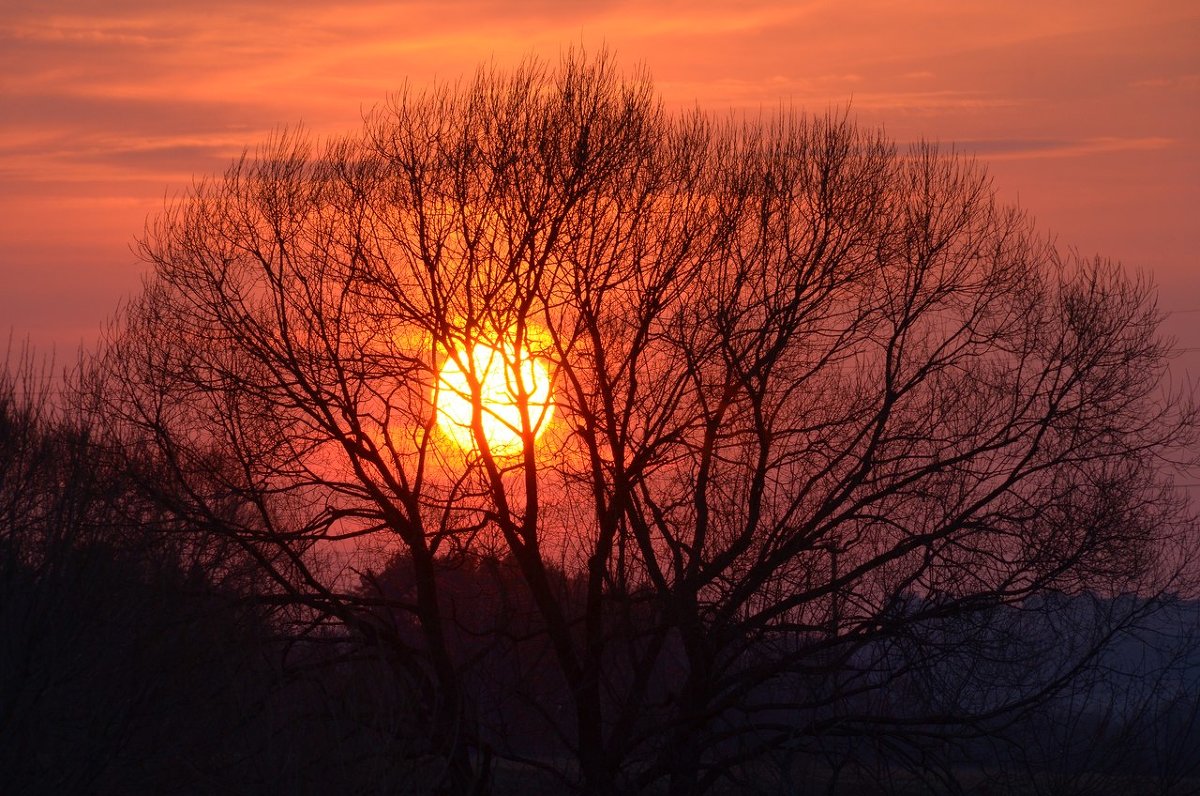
<point>1006,149</point>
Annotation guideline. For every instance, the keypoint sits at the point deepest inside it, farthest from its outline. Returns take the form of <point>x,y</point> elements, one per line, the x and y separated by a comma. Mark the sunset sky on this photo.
<point>1088,113</point>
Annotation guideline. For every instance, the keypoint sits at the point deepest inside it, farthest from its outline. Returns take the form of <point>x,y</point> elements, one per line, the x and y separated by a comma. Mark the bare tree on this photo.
<point>820,406</point>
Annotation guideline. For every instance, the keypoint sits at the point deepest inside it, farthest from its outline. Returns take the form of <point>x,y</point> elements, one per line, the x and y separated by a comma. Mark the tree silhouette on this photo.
<point>134,657</point>
<point>822,406</point>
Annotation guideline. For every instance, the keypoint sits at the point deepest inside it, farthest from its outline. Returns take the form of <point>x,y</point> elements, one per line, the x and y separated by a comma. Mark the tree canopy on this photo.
<point>822,407</point>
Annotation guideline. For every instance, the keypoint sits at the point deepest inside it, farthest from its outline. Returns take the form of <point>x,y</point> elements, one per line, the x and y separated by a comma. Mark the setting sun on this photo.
<point>502,377</point>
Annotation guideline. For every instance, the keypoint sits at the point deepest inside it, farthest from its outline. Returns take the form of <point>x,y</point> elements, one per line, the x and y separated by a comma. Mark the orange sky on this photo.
<point>1087,112</point>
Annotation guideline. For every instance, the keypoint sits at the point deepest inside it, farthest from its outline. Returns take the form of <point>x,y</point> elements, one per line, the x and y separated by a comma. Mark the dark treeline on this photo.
<point>1128,717</point>
<point>128,667</point>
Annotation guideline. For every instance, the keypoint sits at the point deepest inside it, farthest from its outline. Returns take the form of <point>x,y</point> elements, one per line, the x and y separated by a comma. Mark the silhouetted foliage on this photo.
<point>125,668</point>
<point>831,425</point>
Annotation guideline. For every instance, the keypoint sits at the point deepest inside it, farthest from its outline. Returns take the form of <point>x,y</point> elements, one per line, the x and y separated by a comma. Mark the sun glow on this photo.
<point>513,390</point>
